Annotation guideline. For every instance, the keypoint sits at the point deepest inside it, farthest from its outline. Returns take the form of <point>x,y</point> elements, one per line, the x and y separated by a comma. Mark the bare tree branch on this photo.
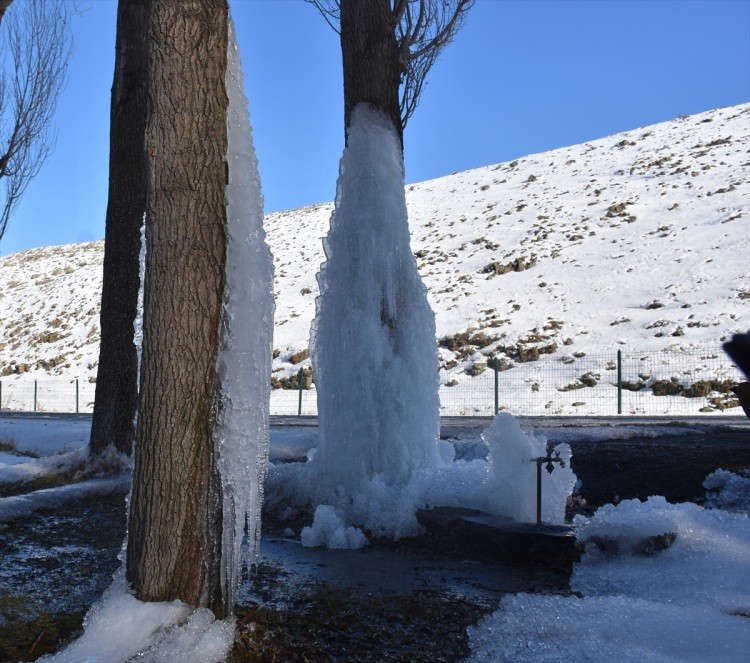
<point>330,11</point>
<point>423,29</point>
<point>35,46</point>
<point>399,7</point>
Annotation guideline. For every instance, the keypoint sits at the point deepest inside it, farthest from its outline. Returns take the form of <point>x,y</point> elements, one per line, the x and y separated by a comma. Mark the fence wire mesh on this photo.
<point>671,382</point>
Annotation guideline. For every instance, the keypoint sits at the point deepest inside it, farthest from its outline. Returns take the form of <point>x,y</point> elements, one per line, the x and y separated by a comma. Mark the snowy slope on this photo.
<point>638,240</point>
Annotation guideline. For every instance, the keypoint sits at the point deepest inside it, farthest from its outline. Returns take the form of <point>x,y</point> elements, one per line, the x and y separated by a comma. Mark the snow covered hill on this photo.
<point>637,241</point>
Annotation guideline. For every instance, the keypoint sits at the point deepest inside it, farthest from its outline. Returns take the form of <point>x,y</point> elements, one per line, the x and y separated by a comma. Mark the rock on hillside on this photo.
<point>637,240</point>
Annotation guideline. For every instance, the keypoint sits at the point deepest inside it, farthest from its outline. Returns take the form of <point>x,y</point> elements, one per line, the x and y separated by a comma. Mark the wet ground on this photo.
<point>402,601</point>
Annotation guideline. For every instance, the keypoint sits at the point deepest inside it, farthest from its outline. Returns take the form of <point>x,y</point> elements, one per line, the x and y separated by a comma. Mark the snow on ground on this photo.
<point>18,507</point>
<point>49,448</point>
<point>687,603</point>
<point>637,241</point>
<point>43,436</point>
<point>690,602</point>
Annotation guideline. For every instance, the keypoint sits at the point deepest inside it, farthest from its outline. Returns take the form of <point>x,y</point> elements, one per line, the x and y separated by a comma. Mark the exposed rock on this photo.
<point>477,368</point>
<point>670,387</point>
<point>520,264</point>
<point>468,339</point>
<point>590,379</point>
<point>532,353</point>
<point>703,388</point>
<point>299,357</point>
<point>292,382</point>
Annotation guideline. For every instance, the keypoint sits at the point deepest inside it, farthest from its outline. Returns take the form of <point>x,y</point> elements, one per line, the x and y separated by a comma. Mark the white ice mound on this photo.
<point>329,530</point>
<point>120,628</point>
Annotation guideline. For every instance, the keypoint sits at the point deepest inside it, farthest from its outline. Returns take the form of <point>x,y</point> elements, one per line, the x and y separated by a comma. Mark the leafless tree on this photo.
<point>35,45</point>
<point>423,28</point>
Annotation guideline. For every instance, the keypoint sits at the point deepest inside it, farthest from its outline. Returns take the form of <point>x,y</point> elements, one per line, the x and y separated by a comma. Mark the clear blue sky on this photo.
<point>522,77</point>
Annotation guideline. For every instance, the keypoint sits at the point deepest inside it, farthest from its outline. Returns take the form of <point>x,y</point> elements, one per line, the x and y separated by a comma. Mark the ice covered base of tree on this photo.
<point>503,484</point>
<point>690,602</point>
<point>121,628</point>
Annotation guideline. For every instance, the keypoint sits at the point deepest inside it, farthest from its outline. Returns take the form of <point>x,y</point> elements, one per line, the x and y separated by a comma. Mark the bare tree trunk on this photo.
<point>176,507</point>
<point>370,54</point>
<point>117,374</point>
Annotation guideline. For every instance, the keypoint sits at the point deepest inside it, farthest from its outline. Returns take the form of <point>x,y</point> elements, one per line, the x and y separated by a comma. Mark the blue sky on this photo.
<point>522,77</point>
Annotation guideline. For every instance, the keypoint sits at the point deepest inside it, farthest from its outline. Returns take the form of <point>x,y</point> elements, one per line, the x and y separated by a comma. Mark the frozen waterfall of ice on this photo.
<point>373,340</point>
<point>244,362</point>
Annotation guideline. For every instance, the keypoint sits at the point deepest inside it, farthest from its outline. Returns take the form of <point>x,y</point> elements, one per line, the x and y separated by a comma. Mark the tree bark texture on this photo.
<point>370,55</point>
<point>176,506</point>
<point>117,373</point>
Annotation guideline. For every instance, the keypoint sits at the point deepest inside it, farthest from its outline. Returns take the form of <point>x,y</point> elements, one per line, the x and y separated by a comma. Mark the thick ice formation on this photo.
<point>727,490</point>
<point>373,340</point>
<point>511,486</point>
<point>330,531</point>
<point>138,321</point>
<point>244,361</point>
<point>502,483</point>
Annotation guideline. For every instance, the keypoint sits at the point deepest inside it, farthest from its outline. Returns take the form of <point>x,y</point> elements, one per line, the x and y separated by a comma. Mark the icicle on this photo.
<point>244,362</point>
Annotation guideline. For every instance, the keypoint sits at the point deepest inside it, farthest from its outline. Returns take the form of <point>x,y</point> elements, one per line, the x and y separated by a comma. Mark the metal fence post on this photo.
<point>300,382</point>
<point>35,382</point>
<point>619,382</point>
<point>76,395</point>
<point>496,366</point>
<point>1,394</point>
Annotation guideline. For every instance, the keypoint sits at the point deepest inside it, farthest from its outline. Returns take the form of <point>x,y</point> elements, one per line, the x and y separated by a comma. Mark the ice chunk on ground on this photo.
<point>548,629</point>
<point>708,563</point>
<point>727,490</point>
<point>329,530</point>
<point>121,628</point>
